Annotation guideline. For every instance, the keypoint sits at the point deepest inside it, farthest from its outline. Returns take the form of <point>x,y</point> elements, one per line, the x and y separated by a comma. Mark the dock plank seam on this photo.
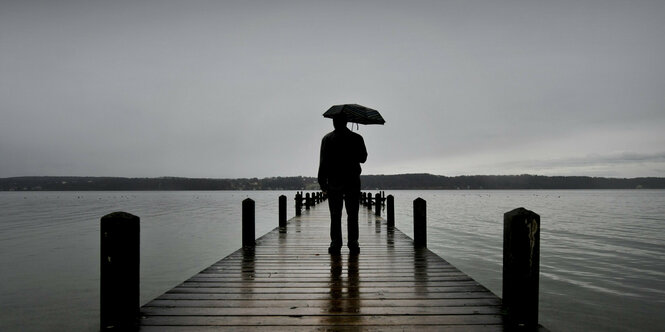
<point>290,282</point>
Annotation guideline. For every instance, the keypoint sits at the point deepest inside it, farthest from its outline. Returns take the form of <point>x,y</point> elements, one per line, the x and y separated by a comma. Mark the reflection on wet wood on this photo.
<point>290,283</point>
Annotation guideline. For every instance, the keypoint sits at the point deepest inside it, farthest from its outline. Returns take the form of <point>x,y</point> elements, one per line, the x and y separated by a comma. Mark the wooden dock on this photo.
<point>289,282</point>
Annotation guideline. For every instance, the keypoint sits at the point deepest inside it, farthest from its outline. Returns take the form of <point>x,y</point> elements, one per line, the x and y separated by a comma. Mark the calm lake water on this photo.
<point>602,252</point>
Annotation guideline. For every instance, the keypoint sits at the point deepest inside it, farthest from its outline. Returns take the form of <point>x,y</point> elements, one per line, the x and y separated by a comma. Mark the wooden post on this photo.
<point>298,203</point>
<point>248,235</point>
<point>521,267</point>
<point>391,210</point>
<point>119,279</point>
<point>420,222</point>
<point>369,201</point>
<point>307,201</point>
<point>377,207</point>
<point>282,211</point>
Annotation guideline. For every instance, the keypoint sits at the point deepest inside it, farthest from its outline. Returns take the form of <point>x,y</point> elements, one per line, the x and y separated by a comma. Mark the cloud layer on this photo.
<point>237,89</point>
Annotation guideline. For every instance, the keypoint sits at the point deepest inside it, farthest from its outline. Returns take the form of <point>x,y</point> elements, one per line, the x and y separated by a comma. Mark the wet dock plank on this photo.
<point>290,283</point>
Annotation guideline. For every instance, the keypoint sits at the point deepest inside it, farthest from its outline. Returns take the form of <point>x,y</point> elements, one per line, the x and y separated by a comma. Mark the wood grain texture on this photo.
<point>290,283</point>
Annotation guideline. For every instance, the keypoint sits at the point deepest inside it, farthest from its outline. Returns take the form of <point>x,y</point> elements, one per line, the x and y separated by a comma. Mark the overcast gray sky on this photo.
<point>229,89</point>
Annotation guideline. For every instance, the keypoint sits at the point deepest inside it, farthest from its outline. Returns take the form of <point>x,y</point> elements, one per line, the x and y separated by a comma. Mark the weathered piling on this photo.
<point>390,210</point>
<point>248,226</point>
<point>119,279</point>
<point>377,209</point>
<point>420,222</point>
<point>309,200</point>
<point>282,211</point>
<point>298,204</point>
<point>521,266</point>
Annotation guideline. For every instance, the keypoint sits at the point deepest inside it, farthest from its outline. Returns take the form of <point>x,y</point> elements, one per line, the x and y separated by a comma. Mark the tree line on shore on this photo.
<point>369,182</point>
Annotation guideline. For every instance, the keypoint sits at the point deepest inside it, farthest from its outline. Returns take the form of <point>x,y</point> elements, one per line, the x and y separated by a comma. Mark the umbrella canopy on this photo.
<point>355,113</point>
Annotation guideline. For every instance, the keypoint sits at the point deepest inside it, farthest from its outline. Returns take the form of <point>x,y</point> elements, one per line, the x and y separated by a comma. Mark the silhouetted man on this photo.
<point>342,151</point>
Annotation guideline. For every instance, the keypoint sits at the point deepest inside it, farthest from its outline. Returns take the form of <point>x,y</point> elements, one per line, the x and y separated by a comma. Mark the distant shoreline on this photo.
<point>369,182</point>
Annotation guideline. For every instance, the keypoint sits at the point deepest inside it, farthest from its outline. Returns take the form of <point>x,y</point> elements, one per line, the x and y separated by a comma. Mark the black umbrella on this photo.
<point>355,113</point>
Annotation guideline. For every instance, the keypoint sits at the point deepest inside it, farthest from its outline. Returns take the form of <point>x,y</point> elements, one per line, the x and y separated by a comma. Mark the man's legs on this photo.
<point>352,202</point>
<point>335,202</point>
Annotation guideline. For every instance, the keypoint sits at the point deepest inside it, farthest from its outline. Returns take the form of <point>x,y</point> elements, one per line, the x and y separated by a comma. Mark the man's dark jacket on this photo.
<point>342,151</point>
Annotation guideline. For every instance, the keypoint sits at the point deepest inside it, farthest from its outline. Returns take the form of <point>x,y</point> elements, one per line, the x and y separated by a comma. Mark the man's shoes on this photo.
<point>334,250</point>
<point>354,250</point>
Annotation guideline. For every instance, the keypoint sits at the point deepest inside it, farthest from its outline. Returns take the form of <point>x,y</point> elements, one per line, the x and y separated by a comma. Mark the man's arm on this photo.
<point>362,150</point>
<point>323,172</point>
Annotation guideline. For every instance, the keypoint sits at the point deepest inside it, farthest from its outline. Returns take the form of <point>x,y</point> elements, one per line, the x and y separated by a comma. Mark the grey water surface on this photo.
<point>602,251</point>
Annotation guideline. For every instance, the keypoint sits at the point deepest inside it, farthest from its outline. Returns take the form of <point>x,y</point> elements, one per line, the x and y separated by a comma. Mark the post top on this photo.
<point>120,216</point>
<point>520,212</point>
